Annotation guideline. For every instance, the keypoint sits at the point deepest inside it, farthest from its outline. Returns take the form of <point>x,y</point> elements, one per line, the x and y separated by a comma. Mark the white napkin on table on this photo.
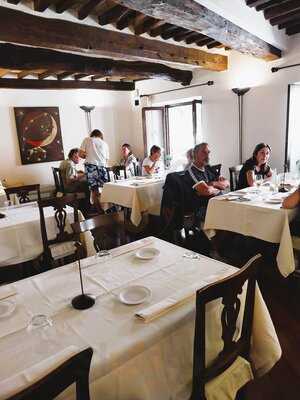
<point>22,380</point>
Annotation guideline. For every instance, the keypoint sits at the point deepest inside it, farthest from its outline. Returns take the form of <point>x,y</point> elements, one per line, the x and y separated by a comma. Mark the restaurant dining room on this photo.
<point>149,199</point>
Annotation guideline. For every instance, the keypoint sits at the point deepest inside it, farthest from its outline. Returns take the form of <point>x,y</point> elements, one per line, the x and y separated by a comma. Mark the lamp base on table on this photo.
<point>83,301</point>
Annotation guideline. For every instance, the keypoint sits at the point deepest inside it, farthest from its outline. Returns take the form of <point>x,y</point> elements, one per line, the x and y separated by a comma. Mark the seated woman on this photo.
<point>128,160</point>
<point>256,165</point>
<point>153,164</point>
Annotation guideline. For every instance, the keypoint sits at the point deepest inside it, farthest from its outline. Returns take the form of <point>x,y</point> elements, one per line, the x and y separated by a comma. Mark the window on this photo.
<point>176,128</point>
<point>292,152</point>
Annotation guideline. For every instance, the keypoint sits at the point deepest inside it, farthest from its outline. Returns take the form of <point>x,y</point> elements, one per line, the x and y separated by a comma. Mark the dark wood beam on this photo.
<point>148,25</point>
<point>53,84</point>
<point>14,1</point>
<point>194,16</point>
<point>64,75</point>
<point>282,9</point>
<point>87,8</point>
<point>213,44</point>
<point>154,32</point>
<point>63,5</point>
<point>170,32</point>
<point>290,23</point>
<point>126,19</point>
<point>286,18</point>
<point>255,3</point>
<point>41,5</point>
<point>112,15</point>
<point>23,74</point>
<point>98,76</point>
<point>204,41</point>
<point>293,30</point>
<point>183,35</point>
<point>3,72</point>
<point>195,38</point>
<point>30,58</point>
<point>26,29</point>
<point>268,4</point>
<point>80,76</point>
<point>46,74</point>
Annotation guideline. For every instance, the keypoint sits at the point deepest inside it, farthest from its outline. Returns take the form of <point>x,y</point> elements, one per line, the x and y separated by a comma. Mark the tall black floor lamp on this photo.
<point>240,93</point>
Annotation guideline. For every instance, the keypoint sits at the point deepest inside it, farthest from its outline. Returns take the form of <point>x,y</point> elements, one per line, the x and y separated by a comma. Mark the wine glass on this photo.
<point>259,180</point>
<point>39,321</point>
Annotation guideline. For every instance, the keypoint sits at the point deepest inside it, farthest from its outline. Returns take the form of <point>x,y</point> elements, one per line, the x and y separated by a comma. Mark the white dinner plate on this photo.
<point>7,307</point>
<point>147,253</point>
<point>134,295</point>
<point>232,197</point>
<point>274,201</point>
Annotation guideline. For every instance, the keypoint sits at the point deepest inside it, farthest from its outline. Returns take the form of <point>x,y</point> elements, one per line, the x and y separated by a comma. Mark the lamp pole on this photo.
<point>87,110</point>
<point>240,94</point>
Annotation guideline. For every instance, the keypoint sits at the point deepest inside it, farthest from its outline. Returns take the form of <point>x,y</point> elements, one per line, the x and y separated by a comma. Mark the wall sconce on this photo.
<point>240,93</point>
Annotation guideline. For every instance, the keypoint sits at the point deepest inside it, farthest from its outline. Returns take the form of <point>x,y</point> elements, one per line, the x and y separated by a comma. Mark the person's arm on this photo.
<point>269,174</point>
<point>150,169</point>
<point>71,175</point>
<point>221,183</point>
<point>292,200</point>
<point>82,150</point>
<point>203,189</point>
<point>250,177</point>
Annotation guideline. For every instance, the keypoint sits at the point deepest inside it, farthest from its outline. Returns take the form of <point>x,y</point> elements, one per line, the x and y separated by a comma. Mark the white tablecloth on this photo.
<point>20,233</point>
<point>139,195</point>
<point>132,359</point>
<point>256,218</point>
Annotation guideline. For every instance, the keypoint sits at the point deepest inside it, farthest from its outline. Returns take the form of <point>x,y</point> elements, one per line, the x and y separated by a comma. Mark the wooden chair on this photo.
<point>63,245</point>
<point>228,290</point>
<point>117,169</point>
<point>23,192</point>
<point>75,370</point>
<point>216,169</point>
<point>103,226</point>
<point>234,176</point>
<point>59,183</point>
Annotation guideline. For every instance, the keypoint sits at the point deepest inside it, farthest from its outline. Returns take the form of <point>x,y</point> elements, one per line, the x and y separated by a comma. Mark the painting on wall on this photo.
<point>39,134</point>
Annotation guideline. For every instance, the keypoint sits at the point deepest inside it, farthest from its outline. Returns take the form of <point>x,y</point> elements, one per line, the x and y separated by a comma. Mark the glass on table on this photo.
<point>103,255</point>
<point>39,321</point>
<point>259,180</point>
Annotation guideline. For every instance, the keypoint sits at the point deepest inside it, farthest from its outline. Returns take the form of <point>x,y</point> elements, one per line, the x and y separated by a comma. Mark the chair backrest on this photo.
<point>216,169</point>
<point>100,221</point>
<point>228,290</point>
<point>118,168</point>
<point>75,370</point>
<point>59,205</point>
<point>23,192</point>
<point>234,176</point>
<point>58,180</point>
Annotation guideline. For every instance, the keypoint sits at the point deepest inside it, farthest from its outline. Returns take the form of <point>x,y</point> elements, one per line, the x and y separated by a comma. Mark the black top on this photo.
<point>250,165</point>
<point>194,175</point>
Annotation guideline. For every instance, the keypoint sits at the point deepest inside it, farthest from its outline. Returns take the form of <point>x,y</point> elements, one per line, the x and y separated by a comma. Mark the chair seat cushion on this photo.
<point>64,249</point>
<point>226,385</point>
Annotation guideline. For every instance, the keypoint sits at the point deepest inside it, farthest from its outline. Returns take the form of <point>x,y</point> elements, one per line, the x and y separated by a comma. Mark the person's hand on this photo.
<point>222,179</point>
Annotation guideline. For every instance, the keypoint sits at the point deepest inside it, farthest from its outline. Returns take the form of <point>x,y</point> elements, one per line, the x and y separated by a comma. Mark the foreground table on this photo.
<point>258,218</point>
<point>132,359</point>
<point>20,233</point>
<point>138,194</point>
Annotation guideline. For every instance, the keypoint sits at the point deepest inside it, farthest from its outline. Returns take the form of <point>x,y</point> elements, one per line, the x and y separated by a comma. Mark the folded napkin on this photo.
<point>22,380</point>
<point>178,298</point>
<point>7,291</point>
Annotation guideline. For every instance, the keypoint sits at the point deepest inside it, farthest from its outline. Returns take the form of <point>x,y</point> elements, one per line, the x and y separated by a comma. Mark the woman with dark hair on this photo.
<point>153,164</point>
<point>256,165</point>
<point>96,154</point>
<point>128,160</point>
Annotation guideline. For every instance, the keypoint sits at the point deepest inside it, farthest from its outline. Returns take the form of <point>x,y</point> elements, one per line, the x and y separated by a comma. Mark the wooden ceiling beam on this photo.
<point>168,33</point>
<point>205,41</point>
<point>23,74</point>
<point>14,1</point>
<point>293,30</point>
<point>255,3</point>
<point>282,19</point>
<point>195,38</point>
<point>3,72</point>
<point>268,4</point>
<point>282,9</point>
<point>213,44</point>
<point>148,25</point>
<point>126,19</point>
<point>157,31</point>
<point>64,75</point>
<point>41,5</point>
<point>290,23</point>
<point>183,35</point>
<point>53,84</point>
<point>31,30</point>
<point>98,76</point>
<point>80,76</point>
<point>63,5</point>
<point>194,16</point>
<point>112,15</point>
<point>86,9</point>
<point>30,58</point>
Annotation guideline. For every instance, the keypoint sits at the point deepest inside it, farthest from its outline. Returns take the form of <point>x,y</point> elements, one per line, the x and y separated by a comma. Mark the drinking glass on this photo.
<point>39,321</point>
<point>7,204</point>
<point>259,180</point>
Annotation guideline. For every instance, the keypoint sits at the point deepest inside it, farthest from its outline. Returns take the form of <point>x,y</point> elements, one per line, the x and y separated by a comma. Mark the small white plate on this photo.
<point>135,295</point>
<point>232,197</point>
<point>274,201</point>
<point>7,307</point>
<point>147,253</point>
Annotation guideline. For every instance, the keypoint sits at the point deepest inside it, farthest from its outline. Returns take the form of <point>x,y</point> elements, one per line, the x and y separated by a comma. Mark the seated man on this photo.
<point>153,164</point>
<point>74,181</point>
<point>203,180</point>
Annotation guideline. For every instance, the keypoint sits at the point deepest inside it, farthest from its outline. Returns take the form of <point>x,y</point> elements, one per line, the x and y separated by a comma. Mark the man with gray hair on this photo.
<point>203,180</point>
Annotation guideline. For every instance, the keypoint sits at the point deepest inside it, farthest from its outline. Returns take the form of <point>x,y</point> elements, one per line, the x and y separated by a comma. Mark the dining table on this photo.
<point>140,194</point>
<point>140,351</point>
<point>255,212</point>
<point>20,232</point>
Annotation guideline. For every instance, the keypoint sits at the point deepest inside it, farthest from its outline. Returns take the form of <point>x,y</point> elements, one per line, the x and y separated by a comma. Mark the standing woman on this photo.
<point>96,154</point>
<point>256,165</point>
<point>128,160</point>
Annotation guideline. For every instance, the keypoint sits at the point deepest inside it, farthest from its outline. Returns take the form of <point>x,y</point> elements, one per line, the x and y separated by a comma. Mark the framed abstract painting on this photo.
<point>39,134</point>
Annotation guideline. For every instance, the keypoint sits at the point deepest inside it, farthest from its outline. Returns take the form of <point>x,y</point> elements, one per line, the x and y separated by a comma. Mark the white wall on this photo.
<point>111,115</point>
<point>264,106</point>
